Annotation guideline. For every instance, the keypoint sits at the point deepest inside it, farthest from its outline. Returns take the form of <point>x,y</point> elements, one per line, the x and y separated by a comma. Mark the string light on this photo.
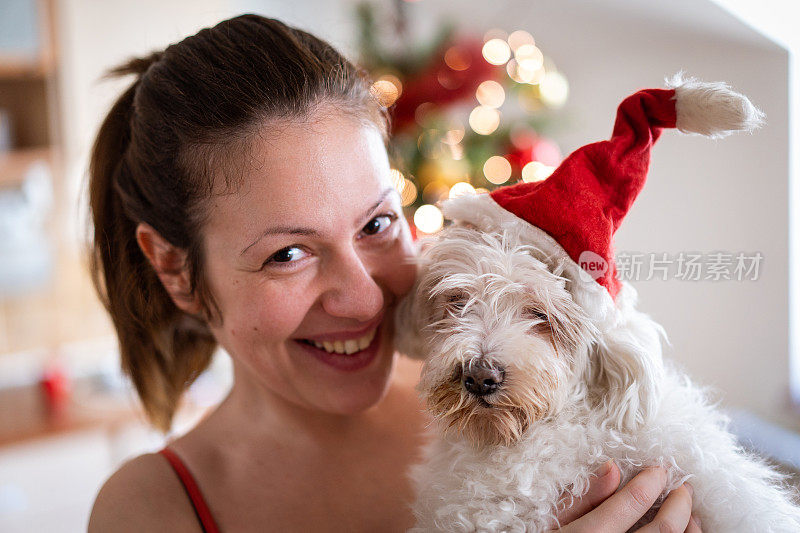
<point>519,38</point>
<point>387,89</point>
<point>460,189</point>
<point>529,57</point>
<point>536,171</point>
<point>484,120</point>
<point>409,193</point>
<point>435,191</point>
<point>497,169</point>
<point>457,59</point>
<point>428,218</point>
<point>511,68</point>
<point>490,93</point>
<point>554,89</point>
<point>496,51</point>
<point>398,180</point>
<point>454,136</point>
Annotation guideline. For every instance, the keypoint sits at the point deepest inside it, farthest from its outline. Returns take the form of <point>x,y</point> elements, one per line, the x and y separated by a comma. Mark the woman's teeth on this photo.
<point>346,347</point>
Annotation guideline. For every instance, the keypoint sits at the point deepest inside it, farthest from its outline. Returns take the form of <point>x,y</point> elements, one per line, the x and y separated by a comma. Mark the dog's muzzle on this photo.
<point>481,379</point>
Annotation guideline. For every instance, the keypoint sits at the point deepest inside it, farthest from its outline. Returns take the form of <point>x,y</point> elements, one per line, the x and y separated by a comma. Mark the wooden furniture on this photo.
<point>28,89</point>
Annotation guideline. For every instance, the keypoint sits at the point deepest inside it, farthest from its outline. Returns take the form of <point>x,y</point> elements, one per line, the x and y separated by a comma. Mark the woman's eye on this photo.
<point>290,254</point>
<point>379,224</point>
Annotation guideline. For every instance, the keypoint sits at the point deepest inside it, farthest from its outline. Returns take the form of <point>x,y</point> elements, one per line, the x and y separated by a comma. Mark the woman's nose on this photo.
<point>352,292</point>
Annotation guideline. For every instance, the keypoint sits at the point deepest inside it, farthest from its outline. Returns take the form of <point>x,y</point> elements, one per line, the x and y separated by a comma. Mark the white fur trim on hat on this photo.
<point>712,109</point>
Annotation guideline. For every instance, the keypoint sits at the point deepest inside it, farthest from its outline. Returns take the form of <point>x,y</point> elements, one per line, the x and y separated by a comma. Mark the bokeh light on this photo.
<point>496,51</point>
<point>435,191</point>
<point>457,59</point>
<point>497,169</point>
<point>428,218</point>
<point>398,180</point>
<point>387,89</point>
<point>519,38</point>
<point>484,120</point>
<point>461,188</point>
<point>409,193</point>
<point>490,93</point>
<point>536,171</point>
<point>529,57</point>
<point>554,89</point>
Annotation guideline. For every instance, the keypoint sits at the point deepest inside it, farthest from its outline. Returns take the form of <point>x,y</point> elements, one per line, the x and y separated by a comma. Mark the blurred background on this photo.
<point>484,94</point>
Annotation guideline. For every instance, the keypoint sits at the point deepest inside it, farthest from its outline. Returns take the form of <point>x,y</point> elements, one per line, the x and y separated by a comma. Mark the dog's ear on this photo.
<point>414,313</point>
<point>406,327</point>
<point>626,369</point>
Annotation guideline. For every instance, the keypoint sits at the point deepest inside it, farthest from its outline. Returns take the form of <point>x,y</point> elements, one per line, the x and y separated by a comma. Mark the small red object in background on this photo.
<point>413,230</point>
<point>56,387</point>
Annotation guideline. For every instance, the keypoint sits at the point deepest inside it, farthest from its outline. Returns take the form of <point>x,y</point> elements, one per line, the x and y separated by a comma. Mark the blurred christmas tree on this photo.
<point>468,113</point>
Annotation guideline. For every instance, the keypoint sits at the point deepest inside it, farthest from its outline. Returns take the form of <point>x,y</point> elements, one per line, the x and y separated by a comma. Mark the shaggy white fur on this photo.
<point>576,378</point>
<point>470,302</point>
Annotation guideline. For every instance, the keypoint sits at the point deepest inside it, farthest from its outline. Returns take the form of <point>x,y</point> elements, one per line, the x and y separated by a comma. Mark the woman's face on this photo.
<point>306,261</point>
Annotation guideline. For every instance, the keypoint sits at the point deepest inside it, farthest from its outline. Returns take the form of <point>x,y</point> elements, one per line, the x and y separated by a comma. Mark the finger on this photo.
<point>675,512</point>
<point>628,505</point>
<point>602,485</point>
<point>694,525</point>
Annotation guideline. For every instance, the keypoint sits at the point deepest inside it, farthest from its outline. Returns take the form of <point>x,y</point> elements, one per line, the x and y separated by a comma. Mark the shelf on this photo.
<point>19,67</point>
<point>15,163</point>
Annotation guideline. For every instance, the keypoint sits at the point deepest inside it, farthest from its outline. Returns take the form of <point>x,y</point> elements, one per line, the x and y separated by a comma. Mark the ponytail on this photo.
<point>162,349</point>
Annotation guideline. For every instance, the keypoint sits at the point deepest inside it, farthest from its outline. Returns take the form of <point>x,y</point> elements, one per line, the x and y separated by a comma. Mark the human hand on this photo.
<point>602,511</point>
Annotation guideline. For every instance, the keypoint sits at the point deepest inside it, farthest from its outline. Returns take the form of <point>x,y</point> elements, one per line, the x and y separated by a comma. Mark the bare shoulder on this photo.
<point>143,495</point>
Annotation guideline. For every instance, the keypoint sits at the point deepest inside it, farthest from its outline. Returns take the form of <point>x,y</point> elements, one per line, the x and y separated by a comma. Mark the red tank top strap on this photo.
<point>198,502</point>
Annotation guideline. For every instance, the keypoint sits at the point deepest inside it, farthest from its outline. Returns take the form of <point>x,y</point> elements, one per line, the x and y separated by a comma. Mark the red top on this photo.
<point>200,507</point>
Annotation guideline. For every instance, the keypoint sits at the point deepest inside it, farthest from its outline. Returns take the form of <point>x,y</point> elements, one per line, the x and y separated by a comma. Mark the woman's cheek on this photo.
<point>270,314</point>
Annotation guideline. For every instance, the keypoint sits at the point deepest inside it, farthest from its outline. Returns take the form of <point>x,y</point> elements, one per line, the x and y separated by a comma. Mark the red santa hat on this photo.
<point>572,215</point>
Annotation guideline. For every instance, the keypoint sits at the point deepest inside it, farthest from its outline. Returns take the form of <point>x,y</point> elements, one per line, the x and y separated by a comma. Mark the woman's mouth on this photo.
<point>345,354</point>
<point>348,347</point>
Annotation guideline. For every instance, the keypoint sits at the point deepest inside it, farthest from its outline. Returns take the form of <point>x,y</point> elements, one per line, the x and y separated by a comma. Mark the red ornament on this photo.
<point>440,84</point>
<point>527,147</point>
<point>56,387</point>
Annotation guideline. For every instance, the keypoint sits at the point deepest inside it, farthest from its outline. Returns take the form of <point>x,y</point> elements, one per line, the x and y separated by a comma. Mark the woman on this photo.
<point>240,195</point>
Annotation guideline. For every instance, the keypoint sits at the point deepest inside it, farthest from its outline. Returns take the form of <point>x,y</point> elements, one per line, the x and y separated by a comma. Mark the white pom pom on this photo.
<point>712,109</point>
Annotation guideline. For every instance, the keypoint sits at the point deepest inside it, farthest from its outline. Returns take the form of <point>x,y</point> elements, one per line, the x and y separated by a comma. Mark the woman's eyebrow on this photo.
<point>282,230</point>
<point>377,204</point>
<point>289,230</point>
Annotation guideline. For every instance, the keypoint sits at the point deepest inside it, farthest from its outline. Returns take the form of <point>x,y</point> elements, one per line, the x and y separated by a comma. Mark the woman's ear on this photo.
<point>171,267</point>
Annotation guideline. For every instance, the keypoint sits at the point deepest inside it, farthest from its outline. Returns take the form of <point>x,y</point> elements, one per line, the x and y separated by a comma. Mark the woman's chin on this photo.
<point>352,392</point>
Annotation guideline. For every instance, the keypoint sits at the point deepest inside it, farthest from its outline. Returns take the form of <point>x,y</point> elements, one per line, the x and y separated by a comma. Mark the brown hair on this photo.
<point>154,161</point>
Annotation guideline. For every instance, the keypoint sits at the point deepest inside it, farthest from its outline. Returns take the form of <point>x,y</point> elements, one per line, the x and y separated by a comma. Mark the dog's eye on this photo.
<point>532,313</point>
<point>455,300</point>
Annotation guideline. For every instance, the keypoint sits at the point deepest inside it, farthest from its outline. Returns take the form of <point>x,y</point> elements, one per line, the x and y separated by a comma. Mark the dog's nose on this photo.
<point>480,379</point>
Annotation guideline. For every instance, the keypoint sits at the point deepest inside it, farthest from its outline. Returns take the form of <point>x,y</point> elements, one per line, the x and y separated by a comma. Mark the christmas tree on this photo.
<point>468,113</point>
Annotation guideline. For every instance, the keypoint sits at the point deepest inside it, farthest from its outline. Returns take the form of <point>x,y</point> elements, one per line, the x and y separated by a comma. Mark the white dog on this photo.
<point>537,373</point>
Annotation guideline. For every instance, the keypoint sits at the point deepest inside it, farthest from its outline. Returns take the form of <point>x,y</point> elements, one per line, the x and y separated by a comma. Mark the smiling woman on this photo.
<point>241,196</point>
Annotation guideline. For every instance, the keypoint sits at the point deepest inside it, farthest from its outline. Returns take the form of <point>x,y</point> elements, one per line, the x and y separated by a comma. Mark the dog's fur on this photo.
<point>578,390</point>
